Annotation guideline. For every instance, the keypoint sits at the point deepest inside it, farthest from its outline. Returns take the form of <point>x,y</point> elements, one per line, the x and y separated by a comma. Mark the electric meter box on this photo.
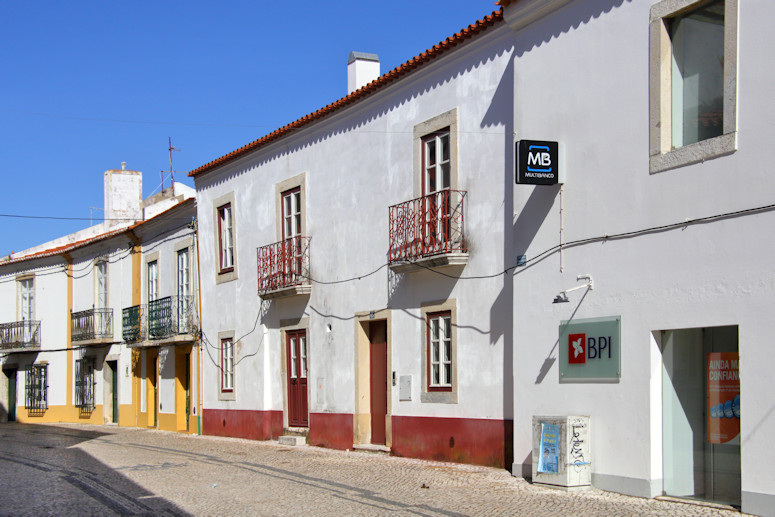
<point>561,452</point>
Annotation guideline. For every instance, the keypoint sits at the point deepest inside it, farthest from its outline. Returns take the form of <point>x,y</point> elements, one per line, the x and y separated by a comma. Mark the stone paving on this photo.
<point>68,469</point>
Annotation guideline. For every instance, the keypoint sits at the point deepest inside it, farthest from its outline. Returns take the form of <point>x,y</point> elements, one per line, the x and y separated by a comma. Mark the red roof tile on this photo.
<point>429,55</point>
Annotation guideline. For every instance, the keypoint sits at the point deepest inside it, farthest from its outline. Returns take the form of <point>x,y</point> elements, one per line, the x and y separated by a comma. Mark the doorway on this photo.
<point>11,376</point>
<point>183,389</point>
<point>296,349</point>
<point>701,414</point>
<point>112,372</point>
<point>153,393</point>
<point>378,380</point>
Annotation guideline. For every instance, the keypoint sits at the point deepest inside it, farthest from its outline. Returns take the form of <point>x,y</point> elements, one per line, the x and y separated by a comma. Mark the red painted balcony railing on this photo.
<point>428,225</point>
<point>283,264</point>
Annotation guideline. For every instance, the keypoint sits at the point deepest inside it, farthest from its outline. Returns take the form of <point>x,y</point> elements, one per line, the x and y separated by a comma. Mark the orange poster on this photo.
<point>723,396</point>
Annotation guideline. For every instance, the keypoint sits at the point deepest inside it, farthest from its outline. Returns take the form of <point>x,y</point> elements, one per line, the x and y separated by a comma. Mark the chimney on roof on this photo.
<point>123,196</point>
<point>362,68</point>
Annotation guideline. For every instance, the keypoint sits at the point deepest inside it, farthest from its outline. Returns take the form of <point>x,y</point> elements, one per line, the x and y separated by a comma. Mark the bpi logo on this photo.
<point>581,348</point>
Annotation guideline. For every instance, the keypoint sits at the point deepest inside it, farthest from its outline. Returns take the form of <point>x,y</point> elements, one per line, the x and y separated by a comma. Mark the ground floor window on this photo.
<point>701,413</point>
<point>84,384</point>
<point>36,398</point>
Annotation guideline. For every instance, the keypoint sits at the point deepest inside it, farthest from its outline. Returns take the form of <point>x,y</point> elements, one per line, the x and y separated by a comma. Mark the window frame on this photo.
<point>36,388</point>
<point>432,392</point>
<point>224,274</point>
<point>424,131</point>
<point>662,155</point>
<point>101,277</point>
<point>227,364</point>
<point>225,252</point>
<point>152,281</point>
<point>29,293</point>
<point>444,383</point>
<point>85,384</point>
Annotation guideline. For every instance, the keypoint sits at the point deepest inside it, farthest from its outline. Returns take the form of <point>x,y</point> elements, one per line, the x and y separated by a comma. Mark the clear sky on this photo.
<point>85,85</point>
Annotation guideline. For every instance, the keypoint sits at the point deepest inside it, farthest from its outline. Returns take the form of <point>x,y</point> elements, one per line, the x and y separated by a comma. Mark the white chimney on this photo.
<point>123,195</point>
<point>362,68</point>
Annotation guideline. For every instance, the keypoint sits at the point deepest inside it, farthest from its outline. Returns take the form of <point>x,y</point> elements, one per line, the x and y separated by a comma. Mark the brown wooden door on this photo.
<point>296,348</point>
<point>378,380</point>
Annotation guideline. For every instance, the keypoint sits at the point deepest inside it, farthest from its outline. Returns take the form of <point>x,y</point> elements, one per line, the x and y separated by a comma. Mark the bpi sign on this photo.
<point>537,162</point>
<point>590,349</point>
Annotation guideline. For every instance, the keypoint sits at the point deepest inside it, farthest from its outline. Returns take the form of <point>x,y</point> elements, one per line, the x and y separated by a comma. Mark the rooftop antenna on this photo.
<point>172,172</point>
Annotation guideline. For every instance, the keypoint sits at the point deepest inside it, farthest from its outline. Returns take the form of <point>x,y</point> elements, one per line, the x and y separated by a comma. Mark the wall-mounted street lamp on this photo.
<point>563,296</point>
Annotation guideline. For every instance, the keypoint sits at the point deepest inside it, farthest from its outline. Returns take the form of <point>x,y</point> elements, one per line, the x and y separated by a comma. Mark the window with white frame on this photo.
<point>439,339</point>
<point>184,299</point>
<point>693,81</point>
<point>227,364</point>
<point>153,280</point>
<point>225,238</point>
<point>436,162</point>
<point>291,213</point>
<point>101,284</point>
<point>27,299</point>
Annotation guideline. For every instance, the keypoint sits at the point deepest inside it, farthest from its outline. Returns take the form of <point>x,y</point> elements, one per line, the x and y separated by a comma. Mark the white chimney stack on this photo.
<point>123,195</point>
<point>362,68</point>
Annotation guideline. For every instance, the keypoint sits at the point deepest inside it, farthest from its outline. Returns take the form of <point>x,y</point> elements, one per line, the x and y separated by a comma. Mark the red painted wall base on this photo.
<point>332,430</point>
<point>237,423</point>
<point>462,440</point>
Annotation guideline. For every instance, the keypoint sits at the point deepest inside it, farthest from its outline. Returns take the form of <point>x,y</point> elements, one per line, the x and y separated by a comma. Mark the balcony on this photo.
<point>428,232</point>
<point>92,326</point>
<point>133,323</point>
<point>283,268</point>
<point>171,319</point>
<point>20,336</point>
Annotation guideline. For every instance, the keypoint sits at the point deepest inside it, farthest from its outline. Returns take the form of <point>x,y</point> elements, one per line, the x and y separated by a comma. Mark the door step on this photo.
<point>370,447</point>
<point>293,441</point>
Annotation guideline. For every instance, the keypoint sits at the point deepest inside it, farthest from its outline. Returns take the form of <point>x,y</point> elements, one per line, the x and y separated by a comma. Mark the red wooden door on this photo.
<point>378,380</point>
<point>296,347</point>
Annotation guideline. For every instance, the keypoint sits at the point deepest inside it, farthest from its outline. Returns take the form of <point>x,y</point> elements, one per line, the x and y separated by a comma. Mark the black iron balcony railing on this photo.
<point>20,334</point>
<point>170,316</point>
<point>92,324</point>
<point>133,323</point>
<point>428,225</point>
<point>283,264</point>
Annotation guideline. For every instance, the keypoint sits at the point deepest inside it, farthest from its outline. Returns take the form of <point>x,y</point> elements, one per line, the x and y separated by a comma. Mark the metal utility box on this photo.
<point>561,453</point>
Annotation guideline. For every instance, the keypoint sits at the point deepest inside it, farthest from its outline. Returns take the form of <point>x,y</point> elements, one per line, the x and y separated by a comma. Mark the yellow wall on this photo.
<point>55,414</point>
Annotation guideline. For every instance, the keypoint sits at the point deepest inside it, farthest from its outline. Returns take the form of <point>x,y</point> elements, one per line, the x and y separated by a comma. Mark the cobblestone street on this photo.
<point>93,470</point>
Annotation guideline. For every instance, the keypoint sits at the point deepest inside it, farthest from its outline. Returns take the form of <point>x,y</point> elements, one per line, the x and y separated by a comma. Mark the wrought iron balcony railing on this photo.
<point>283,264</point>
<point>171,316</point>
<point>133,323</point>
<point>92,324</point>
<point>428,225</point>
<point>20,334</point>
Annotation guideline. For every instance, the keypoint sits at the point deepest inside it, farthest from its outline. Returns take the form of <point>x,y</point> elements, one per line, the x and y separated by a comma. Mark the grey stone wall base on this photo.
<point>759,504</point>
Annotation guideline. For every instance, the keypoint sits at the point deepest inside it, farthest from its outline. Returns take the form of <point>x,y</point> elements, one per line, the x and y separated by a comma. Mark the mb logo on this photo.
<point>537,162</point>
<point>581,348</point>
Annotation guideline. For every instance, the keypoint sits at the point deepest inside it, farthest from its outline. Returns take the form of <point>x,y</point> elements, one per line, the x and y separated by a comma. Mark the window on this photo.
<point>184,299</point>
<point>436,162</point>
<point>439,339</point>
<point>292,213</point>
<point>439,352</point>
<point>153,280</point>
<point>225,238</point>
<point>84,384</point>
<point>435,154</point>
<point>27,298</point>
<point>693,81</point>
<point>101,294</point>
<point>37,388</point>
<point>227,364</point>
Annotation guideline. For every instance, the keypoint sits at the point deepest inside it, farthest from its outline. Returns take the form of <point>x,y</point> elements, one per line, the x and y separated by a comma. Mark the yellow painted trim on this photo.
<point>168,422</point>
<point>362,415</point>
<point>56,414</point>
<point>151,387</point>
<point>180,388</point>
<point>126,415</point>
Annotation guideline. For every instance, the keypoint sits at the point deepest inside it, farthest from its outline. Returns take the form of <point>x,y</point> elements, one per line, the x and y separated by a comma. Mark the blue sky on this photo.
<point>85,85</point>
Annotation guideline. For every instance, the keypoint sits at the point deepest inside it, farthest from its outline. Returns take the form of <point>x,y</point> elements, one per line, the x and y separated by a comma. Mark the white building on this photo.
<point>64,314</point>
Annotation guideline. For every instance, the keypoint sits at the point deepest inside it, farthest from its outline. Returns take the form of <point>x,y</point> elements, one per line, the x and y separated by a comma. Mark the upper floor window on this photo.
<point>291,213</point>
<point>153,280</point>
<point>27,299</point>
<point>693,81</point>
<point>101,284</point>
<point>226,238</point>
<point>436,162</point>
